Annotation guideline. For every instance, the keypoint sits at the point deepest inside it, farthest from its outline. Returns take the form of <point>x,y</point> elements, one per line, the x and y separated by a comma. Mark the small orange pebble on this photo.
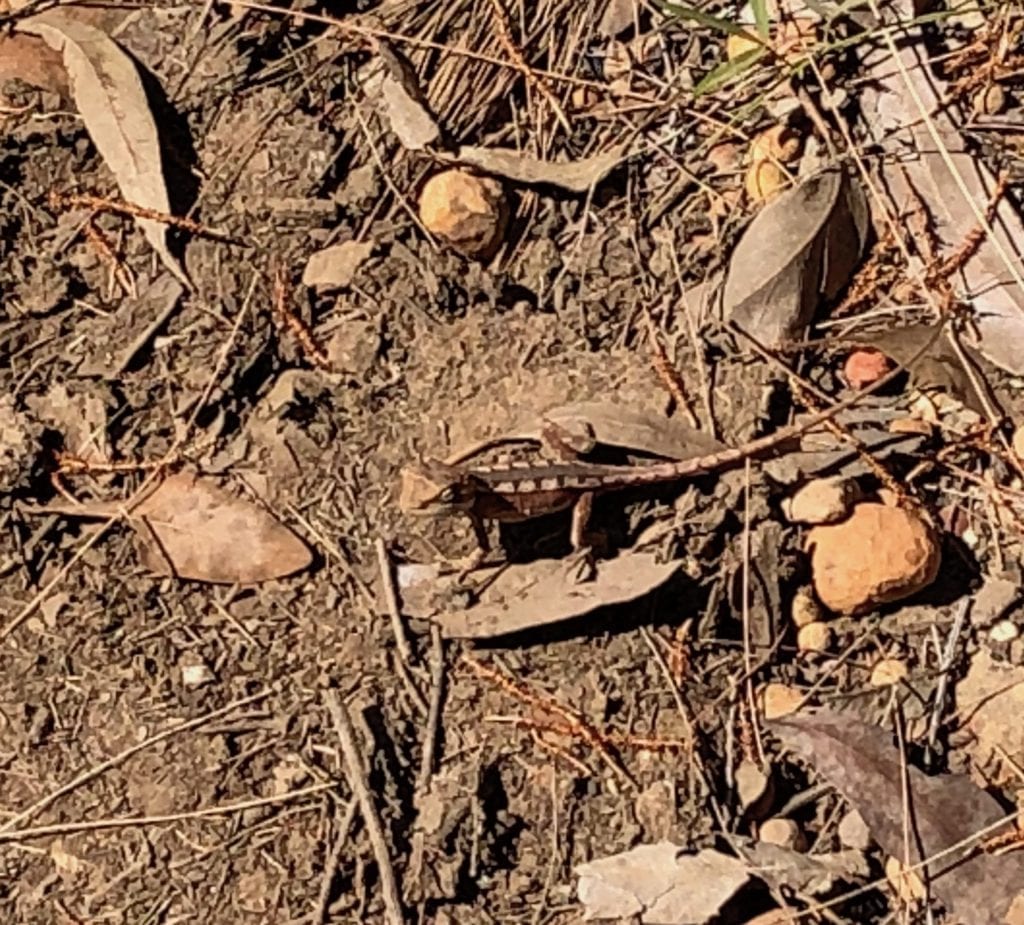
<point>865,367</point>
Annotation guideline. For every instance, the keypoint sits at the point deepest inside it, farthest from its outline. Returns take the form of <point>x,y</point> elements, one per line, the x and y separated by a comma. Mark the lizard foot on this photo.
<point>581,566</point>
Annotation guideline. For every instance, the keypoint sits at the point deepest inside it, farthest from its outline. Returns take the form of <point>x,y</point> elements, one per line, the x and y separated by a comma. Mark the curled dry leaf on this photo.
<point>189,527</point>
<point>861,762</point>
<point>522,597</point>
<point>660,883</point>
<point>110,97</point>
<point>574,176</point>
<point>803,245</point>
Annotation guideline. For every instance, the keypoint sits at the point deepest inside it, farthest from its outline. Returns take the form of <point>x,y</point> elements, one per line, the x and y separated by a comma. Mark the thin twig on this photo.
<point>434,709</point>
<point>374,828</point>
<point>323,900</point>
<point>97,770</point>
<point>947,656</point>
<point>96,825</point>
<point>391,600</point>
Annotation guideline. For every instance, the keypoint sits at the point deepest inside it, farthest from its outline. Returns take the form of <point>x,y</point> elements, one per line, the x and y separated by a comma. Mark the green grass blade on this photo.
<point>728,71</point>
<point>760,9</point>
<point>681,11</point>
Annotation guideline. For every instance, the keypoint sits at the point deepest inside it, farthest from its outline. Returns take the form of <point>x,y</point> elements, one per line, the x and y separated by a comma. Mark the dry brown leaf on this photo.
<point>805,243</point>
<point>575,176</point>
<point>521,597</point>
<point>29,58</point>
<point>992,278</point>
<point>861,762</point>
<point>189,527</point>
<point>660,883</point>
<point>110,97</point>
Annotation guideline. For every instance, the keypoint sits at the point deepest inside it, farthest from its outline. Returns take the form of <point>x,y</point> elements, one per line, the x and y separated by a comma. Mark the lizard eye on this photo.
<point>448,495</point>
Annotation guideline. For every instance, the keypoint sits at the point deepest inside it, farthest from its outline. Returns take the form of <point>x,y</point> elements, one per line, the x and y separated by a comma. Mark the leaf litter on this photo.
<point>517,598</point>
<point>904,110</point>
<point>445,334</point>
<point>946,812</point>
<point>188,527</point>
<point>108,91</point>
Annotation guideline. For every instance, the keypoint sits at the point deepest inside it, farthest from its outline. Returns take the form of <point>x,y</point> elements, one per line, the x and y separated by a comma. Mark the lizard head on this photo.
<point>431,487</point>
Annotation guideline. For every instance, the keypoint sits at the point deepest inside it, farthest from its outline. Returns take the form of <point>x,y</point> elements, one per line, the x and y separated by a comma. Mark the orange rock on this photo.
<point>877,555</point>
<point>865,367</point>
<point>467,211</point>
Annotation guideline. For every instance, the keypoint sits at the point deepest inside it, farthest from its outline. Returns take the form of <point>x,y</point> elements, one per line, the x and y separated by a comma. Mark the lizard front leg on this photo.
<point>581,564</point>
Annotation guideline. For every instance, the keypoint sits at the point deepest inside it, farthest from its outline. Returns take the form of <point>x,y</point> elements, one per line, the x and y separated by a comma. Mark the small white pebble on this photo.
<point>1004,631</point>
<point>196,675</point>
<point>854,832</point>
<point>782,832</point>
<point>821,501</point>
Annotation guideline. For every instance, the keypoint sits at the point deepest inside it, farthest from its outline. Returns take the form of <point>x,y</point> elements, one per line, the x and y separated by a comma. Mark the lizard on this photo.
<point>518,492</point>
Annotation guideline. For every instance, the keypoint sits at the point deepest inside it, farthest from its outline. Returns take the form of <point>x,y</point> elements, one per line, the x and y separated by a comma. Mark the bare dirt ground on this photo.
<point>172,736</point>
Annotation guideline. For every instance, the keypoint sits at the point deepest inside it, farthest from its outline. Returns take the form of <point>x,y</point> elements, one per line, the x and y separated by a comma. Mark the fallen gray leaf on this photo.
<point>575,176</point>
<point>335,267</point>
<point>954,185</point>
<point>813,874</point>
<point>635,429</point>
<point>110,97</point>
<point>803,244</point>
<point>404,104</point>
<point>661,884</point>
<point>861,762</point>
<point>521,597</point>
